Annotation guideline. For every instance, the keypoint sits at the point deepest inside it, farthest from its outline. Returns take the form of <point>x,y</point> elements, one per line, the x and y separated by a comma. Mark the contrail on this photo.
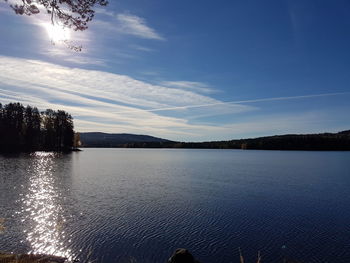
<point>240,102</point>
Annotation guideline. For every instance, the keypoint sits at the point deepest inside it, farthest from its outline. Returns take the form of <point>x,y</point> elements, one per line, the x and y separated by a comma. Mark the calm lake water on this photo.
<point>138,205</point>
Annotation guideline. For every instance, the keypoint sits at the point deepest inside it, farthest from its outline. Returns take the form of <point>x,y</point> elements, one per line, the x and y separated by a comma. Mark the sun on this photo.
<point>57,33</point>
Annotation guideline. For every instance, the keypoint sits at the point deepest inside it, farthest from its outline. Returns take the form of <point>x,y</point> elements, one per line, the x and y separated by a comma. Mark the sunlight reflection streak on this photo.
<point>43,212</point>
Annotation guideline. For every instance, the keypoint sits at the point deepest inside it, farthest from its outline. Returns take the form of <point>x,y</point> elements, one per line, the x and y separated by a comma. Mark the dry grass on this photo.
<point>241,258</point>
<point>28,258</point>
<point>25,258</point>
<point>2,226</point>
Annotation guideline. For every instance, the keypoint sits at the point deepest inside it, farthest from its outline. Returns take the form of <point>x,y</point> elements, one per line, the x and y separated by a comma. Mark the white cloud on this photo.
<point>110,102</point>
<point>103,11</point>
<point>101,101</point>
<point>135,25</point>
<point>127,24</point>
<point>101,29</point>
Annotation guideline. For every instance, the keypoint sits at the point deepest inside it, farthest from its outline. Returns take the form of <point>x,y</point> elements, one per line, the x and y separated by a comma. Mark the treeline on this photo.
<point>301,142</point>
<point>27,129</point>
<point>307,142</point>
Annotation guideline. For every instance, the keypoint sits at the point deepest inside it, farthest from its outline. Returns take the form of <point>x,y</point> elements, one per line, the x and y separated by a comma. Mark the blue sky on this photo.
<point>188,70</point>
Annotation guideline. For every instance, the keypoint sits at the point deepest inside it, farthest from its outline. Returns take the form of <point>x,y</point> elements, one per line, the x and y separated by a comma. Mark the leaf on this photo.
<point>33,9</point>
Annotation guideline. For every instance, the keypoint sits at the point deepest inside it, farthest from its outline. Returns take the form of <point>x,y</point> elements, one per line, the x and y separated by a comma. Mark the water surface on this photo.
<point>138,205</point>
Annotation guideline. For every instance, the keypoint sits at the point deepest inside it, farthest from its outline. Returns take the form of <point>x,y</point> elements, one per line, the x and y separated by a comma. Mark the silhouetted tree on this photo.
<point>31,128</point>
<point>25,129</point>
<point>63,126</point>
<point>74,14</point>
<point>13,126</point>
<point>49,133</point>
<point>68,132</point>
<point>1,126</point>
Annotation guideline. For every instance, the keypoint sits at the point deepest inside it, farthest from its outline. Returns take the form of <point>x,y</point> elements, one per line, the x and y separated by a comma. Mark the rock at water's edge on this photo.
<point>182,255</point>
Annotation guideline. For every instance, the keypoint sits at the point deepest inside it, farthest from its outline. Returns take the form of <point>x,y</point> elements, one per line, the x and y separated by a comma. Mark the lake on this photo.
<point>139,205</point>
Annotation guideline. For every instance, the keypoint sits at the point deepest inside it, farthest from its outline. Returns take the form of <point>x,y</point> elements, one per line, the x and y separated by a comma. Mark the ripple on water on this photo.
<point>114,208</point>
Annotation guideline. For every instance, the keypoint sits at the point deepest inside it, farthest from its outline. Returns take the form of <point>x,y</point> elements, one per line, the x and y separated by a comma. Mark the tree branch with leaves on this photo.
<point>73,14</point>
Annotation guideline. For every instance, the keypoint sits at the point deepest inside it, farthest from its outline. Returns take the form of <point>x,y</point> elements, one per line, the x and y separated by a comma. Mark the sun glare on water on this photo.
<point>57,33</point>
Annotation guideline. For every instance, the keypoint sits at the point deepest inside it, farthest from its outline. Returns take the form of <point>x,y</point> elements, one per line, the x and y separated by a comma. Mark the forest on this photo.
<point>339,141</point>
<point>26,129</point>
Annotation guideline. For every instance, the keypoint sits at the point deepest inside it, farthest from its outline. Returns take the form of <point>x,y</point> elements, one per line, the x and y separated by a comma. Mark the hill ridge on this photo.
<point>339,141</point>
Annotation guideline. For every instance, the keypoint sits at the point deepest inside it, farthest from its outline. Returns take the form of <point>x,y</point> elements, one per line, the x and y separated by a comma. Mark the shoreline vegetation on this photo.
<point>25,129</point>
<point>298,142</point>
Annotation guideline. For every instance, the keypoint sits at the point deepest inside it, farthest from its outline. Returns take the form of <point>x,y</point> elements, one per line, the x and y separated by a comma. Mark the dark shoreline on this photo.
<point>292,142</point>
<point>19,151</point>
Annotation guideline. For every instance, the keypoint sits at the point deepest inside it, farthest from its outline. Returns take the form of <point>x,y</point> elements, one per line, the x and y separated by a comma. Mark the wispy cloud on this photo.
<point>135,25</point>
<point>104,11</point>
<point>141,48</point>
<point>101,101</point>
<point>190,85</point>
<point>127,24</point>
<point>106,26</point>
<point>115,102</point>
<point>239,102</point>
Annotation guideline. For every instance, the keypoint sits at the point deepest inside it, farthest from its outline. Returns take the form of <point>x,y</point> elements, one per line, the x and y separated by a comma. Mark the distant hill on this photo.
<point>309,142</point>
<point>106,140</point>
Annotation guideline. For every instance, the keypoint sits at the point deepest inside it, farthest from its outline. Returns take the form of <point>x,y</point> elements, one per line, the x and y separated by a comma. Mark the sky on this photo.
<point>187,70</point>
